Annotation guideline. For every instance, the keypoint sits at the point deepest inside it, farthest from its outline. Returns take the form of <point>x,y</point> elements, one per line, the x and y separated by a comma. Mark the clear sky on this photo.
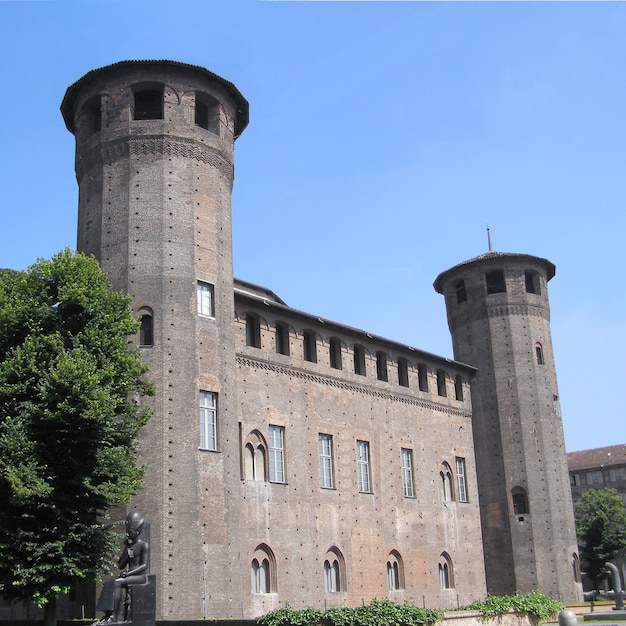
<point>384,138</point>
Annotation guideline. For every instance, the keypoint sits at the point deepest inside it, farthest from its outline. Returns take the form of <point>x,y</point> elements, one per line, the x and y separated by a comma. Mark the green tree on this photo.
<point>601,528</point>
<point>69,418</point>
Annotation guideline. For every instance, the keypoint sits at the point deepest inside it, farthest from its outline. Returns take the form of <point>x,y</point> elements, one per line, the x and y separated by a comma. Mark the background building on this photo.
<point>291,457</point>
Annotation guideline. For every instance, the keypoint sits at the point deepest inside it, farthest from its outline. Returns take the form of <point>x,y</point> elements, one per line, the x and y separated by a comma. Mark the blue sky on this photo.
<point>384,137</point>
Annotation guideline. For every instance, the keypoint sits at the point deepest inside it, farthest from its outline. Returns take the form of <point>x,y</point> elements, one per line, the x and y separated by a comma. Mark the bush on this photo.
<point>534,603</point>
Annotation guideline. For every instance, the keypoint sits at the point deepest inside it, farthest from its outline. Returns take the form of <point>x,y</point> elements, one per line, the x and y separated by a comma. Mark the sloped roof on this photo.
<point>597,457</point>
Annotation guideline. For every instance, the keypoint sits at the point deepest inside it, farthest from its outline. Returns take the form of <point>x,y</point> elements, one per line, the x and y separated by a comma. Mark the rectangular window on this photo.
<point>204,299</point>
<point>574,480</point>
<point>363,466</point>
<point>617,474</point>
<point>277,454</point>
<point>208,420</point>
<point>407,473</point>
<point>594,478</point>
<point>460,479</point>
<point>325,444</point>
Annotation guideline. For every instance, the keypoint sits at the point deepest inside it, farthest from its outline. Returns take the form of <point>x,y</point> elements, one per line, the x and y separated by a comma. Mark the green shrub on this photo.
<point>534,603</point>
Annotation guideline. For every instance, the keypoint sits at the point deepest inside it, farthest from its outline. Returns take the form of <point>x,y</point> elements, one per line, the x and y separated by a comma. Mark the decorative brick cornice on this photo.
<point>501,310</point>
<point>159,145</point>
<point>332,381</point>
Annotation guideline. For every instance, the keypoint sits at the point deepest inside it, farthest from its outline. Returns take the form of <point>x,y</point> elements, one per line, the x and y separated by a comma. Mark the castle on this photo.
<point>291,458</point>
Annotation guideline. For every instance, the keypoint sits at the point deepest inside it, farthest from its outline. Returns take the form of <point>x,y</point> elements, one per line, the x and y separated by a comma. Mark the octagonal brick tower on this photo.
<point>499,318</point>
<point>154,164</point>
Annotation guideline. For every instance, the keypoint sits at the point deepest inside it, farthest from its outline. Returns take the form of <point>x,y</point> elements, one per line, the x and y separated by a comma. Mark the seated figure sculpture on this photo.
<point>136,557</point>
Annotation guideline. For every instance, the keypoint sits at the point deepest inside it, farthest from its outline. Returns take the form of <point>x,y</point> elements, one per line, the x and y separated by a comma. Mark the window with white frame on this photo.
<point>325,444</point>
<point>204,299</point>
<point>363,466</point>
<point>461,481</point>
<point>208,420</point>
<point>407,473</point>
<point>277,454</point>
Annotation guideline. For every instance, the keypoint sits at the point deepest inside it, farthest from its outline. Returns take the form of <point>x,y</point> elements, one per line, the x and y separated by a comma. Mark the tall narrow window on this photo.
<point>539,354</point>
<point>309,343</point>
<point>441,383</point>
<point>458,387</point>
<point>204,299</point>
<point>381,366</point>
<point>277,454</point>
<point>253,330</point>
<point>576,567</point>
<point>461,293</point>
<point>282,338</point>
<point>334,348</point>
<point>146,329</point>
<point>407,473</point>
<point>422,377</point>
<point>208,420</point>
<point>461,481</point>
<point>325,444</point>
<point>148,104</point>
<point>359,360</point>
<point>363,466</point>
<point>395,571</point>
<point>91,119</point>
<point>495,282</point>
<point>403,372</point>
<point>254,457</point>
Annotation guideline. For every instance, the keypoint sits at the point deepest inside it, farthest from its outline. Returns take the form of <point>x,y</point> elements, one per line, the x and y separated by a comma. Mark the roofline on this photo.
<point>494,256</point>
<point>247,295</point>
<point>69,100</point>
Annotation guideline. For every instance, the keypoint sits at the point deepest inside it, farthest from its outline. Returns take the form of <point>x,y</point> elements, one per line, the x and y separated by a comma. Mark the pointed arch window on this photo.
<point>334,571</point>
<point>519,498</point>
<point>539,354</point>
<point>255,457</point>
<point>395,571</point>
<point>576,567</point>
<point>445,476</point>
<point>446,574</point>
<point>263,570</point>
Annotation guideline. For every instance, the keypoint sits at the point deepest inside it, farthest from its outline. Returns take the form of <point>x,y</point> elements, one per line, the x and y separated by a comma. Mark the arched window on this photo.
<point>422,376</point>
<point>576,567</point>
<point>253,330</point>
<point>334,349</point>
<point>441,383</point>
<point>395,571</point>
<point>519,499</point>
<point>445,476</point>
<point>539,354</point>
<point>446,574</point>
<point>334,571</point>
<point>263,570</point>
<point>381,366</point>
<point>282,338</point>
<point>254,457</point>
<point>146,329</point>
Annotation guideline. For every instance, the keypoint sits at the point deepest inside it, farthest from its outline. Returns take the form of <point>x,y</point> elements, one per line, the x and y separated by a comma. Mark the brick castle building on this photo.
<point>291,458</point>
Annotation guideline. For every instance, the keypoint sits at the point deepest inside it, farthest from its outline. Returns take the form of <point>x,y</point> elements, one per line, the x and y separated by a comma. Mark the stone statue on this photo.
<point>134,563</point>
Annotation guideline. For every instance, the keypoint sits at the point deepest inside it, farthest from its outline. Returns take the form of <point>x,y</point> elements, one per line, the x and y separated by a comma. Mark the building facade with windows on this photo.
<point>290,458</point>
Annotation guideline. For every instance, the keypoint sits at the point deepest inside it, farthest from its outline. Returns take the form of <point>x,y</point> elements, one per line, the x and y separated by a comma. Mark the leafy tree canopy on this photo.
<point>69,418</point>
<point>601,528</point>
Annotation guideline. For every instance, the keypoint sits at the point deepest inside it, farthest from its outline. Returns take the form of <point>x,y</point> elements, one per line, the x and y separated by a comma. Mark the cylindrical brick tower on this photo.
<point>499,318</point>
<point>154,164</point>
